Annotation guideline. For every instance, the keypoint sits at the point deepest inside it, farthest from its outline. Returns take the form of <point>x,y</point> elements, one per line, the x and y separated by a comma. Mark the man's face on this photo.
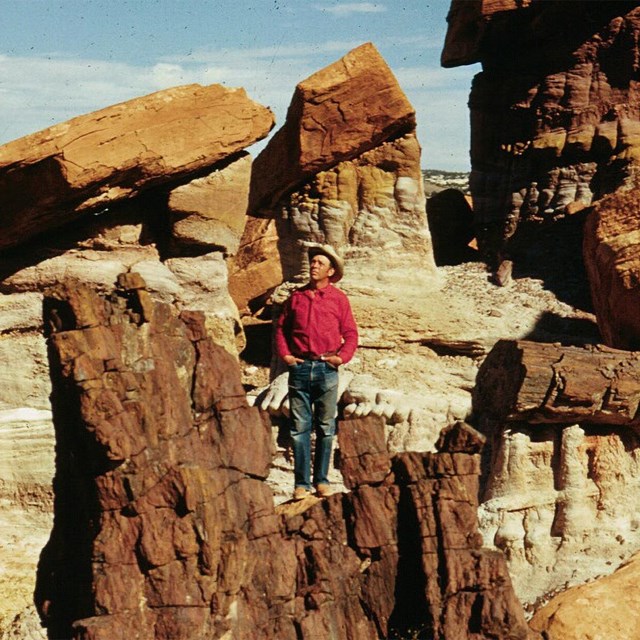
<point>320,269</point>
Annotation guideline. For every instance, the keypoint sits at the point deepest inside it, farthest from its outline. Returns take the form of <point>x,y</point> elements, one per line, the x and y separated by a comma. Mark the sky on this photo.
<point>63,58</point>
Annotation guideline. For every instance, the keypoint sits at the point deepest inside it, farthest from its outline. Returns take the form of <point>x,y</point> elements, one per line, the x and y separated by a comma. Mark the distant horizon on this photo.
<point>62,60</point>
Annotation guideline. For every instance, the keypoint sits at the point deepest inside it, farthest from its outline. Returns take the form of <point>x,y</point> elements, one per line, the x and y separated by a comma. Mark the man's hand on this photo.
<point>290,360</point>
<point>334,361</point>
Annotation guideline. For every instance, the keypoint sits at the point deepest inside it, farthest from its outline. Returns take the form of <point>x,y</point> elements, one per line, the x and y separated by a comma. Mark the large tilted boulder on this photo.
<point>336,114</point>
<point>52,177</point>
<point>612,260</point>
<point>166,528</point>
<point>555,123</point>
<point>562,478</point>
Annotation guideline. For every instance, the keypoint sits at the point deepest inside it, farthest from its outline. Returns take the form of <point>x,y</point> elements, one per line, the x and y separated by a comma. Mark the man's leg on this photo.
<point>325,401</point>
<point>301,423</point>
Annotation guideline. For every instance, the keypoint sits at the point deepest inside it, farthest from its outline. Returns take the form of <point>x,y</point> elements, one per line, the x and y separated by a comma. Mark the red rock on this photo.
<point>364,458</point>
<point>555,124</point>
<point>165,528</point>
<point>92,161</point>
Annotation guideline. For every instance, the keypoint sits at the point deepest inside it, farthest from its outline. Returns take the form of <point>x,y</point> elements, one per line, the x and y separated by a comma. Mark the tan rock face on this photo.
<point>554,125</point>
<point>602,609</point>
<point>336,114</point>
<point>53,176</point>
<point>211,211</point>
<point>612,260</point>
<point>256,268</point>
<point>167,505</point>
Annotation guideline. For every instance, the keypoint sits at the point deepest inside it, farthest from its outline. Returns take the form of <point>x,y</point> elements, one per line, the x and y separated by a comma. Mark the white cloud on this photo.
<point>347,8</point>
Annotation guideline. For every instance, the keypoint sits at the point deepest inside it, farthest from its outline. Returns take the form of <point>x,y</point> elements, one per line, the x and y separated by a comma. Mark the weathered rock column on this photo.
<point>554,122</point>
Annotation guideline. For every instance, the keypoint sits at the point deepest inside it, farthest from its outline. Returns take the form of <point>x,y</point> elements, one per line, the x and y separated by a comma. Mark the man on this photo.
<point>315,334</point>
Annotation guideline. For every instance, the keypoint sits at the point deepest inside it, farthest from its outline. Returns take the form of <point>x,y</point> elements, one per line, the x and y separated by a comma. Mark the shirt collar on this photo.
<point>309,291</point>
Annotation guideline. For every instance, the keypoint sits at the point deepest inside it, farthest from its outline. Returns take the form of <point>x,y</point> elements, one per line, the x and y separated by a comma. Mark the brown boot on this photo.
<point>323,490</point>
<point>300,493</point>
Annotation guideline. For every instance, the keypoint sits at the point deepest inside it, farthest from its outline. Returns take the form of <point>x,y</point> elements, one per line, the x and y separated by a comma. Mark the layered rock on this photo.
<point>156,186</point>
<point>86,164</point>
<point>612,259</point>
<point>165,526</point>
<point>372,204</point>
<point>561,476</point>
<point>554,124</point>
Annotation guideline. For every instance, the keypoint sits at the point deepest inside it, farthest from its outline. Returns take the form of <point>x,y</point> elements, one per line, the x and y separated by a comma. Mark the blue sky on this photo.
<point>62,58</point>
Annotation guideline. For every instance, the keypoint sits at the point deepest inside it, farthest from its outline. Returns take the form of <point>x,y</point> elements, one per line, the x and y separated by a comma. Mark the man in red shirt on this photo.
<point>315,334</point>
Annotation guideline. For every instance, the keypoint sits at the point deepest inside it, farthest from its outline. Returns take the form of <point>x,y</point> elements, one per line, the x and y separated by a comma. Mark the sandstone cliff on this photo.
<point>344,168</point>
<point>189,526</point>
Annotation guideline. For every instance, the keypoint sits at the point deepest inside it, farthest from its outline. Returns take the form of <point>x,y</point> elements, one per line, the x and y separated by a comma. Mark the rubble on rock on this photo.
<point>164,525</point>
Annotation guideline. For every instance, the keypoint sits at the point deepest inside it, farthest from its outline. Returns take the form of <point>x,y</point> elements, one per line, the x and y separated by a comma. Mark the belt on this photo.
<point>313,356</point>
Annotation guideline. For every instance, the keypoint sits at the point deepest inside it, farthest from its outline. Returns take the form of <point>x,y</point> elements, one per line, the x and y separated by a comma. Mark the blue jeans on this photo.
<point>313,400</point>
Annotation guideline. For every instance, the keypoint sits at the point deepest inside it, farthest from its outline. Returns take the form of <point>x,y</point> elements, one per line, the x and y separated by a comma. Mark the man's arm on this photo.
<point>282,329</point>
<point>349,333</point>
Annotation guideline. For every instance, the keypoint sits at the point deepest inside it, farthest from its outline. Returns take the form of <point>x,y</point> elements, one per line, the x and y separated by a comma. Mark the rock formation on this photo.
<point>165,528</point>
<point>210,212</point>
<point>451,225</point>
<point>338,113</point>
<point>554,123</point>
<point>86,164</point>
<point>146,187</point>
<point>561,479</point>
<point>612,259</point>
<point>345,167</point>
<point>181,528</point>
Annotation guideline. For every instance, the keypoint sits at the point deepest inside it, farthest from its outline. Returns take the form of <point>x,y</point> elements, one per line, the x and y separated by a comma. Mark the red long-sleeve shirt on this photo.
<point>316,322</point>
